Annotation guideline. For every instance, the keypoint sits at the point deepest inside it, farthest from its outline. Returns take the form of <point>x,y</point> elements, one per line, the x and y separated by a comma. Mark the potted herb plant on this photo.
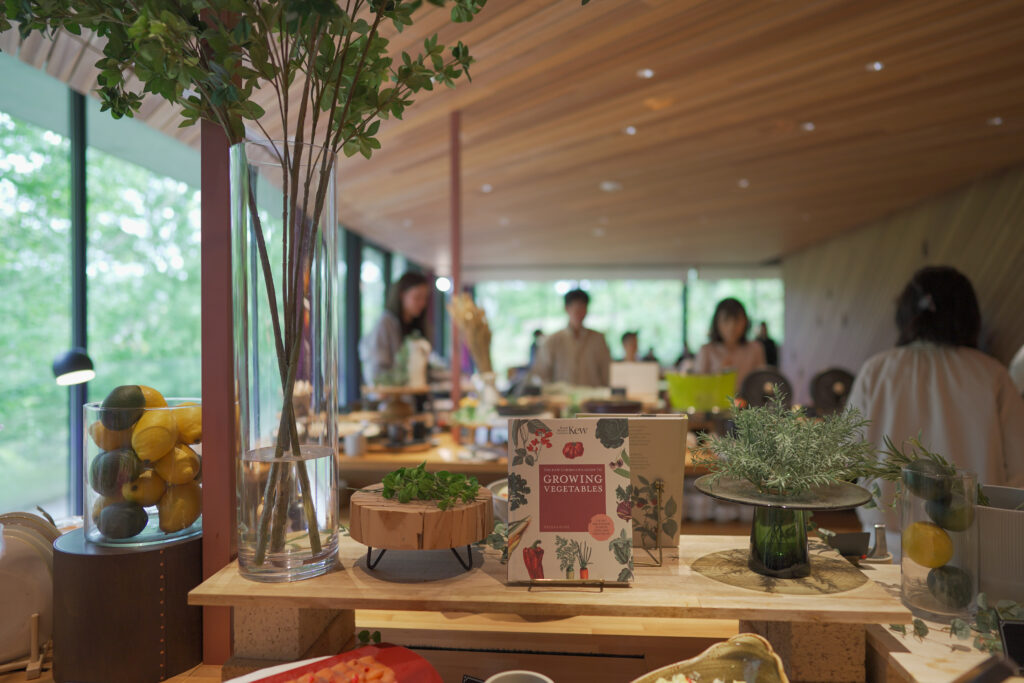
<point>330,78</point>
<point>785,464</point>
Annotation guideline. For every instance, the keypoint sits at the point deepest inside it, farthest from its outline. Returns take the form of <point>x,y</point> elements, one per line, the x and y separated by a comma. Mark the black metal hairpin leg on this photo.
<point>370,562</point>
<point>467,564</point>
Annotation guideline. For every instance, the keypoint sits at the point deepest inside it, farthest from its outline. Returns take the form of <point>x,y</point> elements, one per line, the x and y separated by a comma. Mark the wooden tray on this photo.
<point>419,525</point>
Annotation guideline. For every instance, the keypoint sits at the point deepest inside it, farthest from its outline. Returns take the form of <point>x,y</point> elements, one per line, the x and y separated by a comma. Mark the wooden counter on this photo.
<point>811,628</point>
<point>433,581</point>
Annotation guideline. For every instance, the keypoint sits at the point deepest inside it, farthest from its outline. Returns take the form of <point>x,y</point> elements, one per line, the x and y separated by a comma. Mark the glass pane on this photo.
<point>36,310</point>
<point>399,264</point>
<point>143,270</point>
<point>371,277</point>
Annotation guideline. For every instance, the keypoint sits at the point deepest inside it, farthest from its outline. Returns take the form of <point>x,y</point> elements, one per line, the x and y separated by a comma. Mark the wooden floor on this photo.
<point>837,521</point>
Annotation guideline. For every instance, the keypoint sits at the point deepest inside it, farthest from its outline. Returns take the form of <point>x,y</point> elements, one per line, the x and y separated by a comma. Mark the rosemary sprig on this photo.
<point>781,450</point>
<point>415,483</point>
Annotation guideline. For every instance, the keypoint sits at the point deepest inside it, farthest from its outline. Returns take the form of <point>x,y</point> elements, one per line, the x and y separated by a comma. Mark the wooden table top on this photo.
<point>938,657</point>
<point>433,581</point>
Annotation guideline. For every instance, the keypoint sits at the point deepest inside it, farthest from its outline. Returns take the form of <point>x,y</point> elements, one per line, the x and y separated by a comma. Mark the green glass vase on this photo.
<point>778,543</point>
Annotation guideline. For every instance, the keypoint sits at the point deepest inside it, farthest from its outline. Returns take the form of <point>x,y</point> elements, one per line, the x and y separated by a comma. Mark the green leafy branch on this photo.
<point>416,483</point>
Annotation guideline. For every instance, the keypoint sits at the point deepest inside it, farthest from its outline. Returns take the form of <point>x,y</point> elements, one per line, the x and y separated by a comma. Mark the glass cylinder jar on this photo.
<point>142,467</point>
<point>939,541</point>
<point>778,543</point>
<point>284,275</point>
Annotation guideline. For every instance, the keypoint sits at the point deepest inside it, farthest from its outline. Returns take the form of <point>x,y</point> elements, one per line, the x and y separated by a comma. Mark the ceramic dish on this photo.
<point>744,657</point>
<point>499,499</point>
<point>34,522</point>
<point>26,588</point>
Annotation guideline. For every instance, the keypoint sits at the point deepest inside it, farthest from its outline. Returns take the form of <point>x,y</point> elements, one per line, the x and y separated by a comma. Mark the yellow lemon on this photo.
<point>154,399</point>
<point>189,417</point>
<point>180,466</point>
<point>927,544</point>
<point>154,435</point>
<point>146,490</point>
<point>180,506</point>
<point>109,439</point>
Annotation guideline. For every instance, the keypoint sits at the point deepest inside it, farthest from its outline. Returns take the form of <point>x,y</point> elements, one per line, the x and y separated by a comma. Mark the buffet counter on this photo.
<point>471,620</point>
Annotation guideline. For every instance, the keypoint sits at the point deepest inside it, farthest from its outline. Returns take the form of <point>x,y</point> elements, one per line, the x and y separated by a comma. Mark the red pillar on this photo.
<point>218,383</point>
<point>456,236</point>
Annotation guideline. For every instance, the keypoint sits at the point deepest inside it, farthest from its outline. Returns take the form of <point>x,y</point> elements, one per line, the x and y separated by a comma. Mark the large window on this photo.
<point>653,308</point>
<point>371,276</point>
<point>516,308</point>
<point>143,278</point>
<point>36,311</point>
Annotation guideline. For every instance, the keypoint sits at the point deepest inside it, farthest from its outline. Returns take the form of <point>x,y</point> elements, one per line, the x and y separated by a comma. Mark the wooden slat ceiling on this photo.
<point>722,168</point>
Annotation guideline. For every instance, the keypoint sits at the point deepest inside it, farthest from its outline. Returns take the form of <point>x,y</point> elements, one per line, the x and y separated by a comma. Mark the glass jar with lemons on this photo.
<point>939,538</point>
<point>142,467</point>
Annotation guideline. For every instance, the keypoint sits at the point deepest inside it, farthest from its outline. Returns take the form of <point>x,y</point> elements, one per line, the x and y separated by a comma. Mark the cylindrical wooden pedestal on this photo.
<point>121,614</point>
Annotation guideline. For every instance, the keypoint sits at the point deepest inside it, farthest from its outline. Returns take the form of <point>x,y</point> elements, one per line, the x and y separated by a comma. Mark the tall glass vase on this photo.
<point>284,280</point>
<point>778,543</point>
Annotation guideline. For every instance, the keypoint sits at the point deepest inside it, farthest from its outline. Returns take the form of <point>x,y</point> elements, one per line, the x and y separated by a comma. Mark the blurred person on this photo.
<point>630,347</point>
<point>771,349</point>
<point>538,340</point>
<point>728,348</point>
<point>938,385</point>
<point>686,361</point>
<point>575,355</point>
<point>404,313</point>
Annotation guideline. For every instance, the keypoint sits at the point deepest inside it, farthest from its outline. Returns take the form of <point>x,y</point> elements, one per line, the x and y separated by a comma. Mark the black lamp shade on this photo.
<point>73,367</point>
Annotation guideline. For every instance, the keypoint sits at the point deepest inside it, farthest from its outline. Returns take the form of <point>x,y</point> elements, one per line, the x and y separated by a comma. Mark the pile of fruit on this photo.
<point>929,543</point>
<point>146,459</point>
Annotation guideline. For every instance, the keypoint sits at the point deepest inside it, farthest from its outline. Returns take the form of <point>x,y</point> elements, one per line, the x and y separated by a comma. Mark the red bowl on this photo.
<point>408,666</point>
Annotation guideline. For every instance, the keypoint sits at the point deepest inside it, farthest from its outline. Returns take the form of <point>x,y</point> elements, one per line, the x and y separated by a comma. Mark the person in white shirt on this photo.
<point>938,385</point>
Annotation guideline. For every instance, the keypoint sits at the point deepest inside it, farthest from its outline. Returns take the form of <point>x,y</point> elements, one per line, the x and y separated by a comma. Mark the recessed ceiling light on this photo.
<point>443,284</point>
<point>486,188</point>
<point>743,183</point>
<point>629,130</point>
<point>611,185</point>
<point>598,232</point>
<point>807,126</point>
<point>995,121</point>
<point>874,66</point>
<point>645,73</point>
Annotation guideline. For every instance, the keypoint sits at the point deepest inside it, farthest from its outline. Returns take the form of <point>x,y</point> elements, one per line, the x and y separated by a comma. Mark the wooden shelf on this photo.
<point>431,581</point>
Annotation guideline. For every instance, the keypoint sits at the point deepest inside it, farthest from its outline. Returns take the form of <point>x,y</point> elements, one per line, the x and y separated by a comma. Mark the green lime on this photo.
<point>111,470</point>
<point>951,586</point>
<point>122,520</point>
<point>123,407</point>
<point>926,479</point>
<point>953,513</point>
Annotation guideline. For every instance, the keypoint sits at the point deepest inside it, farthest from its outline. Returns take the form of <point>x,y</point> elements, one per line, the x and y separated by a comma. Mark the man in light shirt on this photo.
<point>575,355</point>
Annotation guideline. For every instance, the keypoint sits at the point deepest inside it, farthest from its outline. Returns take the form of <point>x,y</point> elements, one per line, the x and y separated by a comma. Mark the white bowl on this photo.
<point>500,502</point>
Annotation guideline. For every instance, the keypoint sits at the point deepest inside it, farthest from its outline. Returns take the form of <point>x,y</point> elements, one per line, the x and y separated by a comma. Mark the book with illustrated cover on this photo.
<point>565,483</point>
<point>657,450</point>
